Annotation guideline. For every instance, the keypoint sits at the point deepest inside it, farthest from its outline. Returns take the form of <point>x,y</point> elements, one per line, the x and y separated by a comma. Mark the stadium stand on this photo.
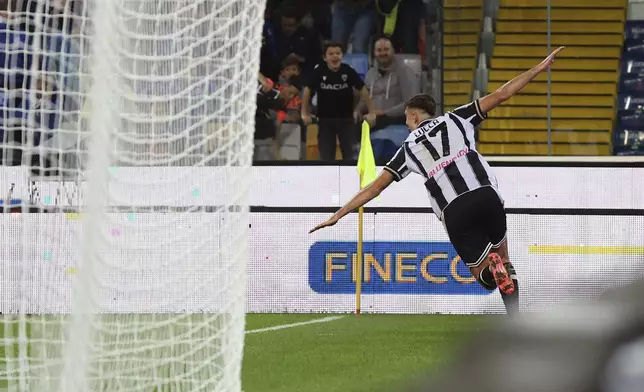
<point>461,28</point>
<point>583,88</point>
<point>414,62</point>
<point>359,62</point>
<point>629,124</point>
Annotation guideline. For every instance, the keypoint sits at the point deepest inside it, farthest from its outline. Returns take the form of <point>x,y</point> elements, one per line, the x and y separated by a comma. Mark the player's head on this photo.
<point>384,51</point>
<point>418,109</point>
<point>333,55</point>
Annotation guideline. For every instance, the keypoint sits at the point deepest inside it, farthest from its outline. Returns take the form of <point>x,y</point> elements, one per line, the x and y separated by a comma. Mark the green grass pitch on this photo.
<point>349,354</point>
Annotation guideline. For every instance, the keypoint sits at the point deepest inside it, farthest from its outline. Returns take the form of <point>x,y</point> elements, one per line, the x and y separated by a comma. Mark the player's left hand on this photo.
<point>329,222</point>
<point>548,61</point>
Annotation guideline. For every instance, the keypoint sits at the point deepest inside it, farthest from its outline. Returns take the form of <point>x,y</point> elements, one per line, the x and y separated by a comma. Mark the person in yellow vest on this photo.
<point>353,16</point>
<point>400,20</point>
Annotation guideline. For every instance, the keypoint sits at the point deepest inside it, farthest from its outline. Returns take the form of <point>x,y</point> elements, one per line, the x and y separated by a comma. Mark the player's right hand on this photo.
<point>306,119</point>
<point>329,222</point>
<point>548,61</point>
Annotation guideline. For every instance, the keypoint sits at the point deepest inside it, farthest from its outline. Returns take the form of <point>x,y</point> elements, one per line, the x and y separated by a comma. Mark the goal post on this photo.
<point>127,146</point>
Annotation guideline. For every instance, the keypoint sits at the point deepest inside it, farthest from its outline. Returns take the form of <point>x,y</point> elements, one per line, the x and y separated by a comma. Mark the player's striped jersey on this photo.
<point>443,151</point>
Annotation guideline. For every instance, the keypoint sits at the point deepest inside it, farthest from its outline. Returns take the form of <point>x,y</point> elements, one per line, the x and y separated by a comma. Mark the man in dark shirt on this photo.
<point>292,38</point>
<point>334,82</point>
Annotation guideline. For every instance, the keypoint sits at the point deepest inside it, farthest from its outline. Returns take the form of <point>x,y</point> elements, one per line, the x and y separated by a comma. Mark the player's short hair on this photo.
<point>332,44</point>
<point>423,102</point>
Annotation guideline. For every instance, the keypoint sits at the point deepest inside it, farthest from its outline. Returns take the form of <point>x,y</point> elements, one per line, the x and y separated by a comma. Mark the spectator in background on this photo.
<point>288,122</point>
<point>290,68</point>
<point>294,39</point>
<point>271,100</point>
<point>44,97</point>
<point>335,83</point>
<point>318,17</point>
<point>290,95</point>
<point>355,16</point>
<point>289,87</point>
<point>16,62</point>
<point>265,146</point>
<point>400,20</point>
<point>268,53</point>
<point>390,84</point>
<point>315,14</point>
<point>290,77</point>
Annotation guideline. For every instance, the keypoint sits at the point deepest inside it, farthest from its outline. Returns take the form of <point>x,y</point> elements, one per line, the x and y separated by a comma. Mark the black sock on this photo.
<point>511,301</point>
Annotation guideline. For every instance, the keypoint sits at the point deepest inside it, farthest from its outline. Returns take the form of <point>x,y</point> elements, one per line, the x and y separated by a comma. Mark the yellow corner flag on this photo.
<point>366,160</point>
<point>367,171</point>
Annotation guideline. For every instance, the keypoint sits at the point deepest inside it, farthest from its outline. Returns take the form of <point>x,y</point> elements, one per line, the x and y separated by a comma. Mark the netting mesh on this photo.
<point>121,121</point>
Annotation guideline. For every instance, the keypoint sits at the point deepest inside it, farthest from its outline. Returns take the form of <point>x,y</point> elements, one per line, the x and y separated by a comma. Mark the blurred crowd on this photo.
<point>40,56</point>
<point>315,69</point>
<point>306,45</point>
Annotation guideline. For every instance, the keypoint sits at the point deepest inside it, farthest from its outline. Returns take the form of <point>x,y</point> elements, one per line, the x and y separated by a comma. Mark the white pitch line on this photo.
<point>292,325</point>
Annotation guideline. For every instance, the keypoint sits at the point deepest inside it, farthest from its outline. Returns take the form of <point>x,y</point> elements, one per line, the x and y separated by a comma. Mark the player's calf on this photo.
<point>511,300</point>
<point>493,273</point>
<point>500,273</point>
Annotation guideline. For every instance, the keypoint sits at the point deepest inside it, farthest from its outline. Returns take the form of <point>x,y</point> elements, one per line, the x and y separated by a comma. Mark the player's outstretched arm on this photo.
<point>512,87</point>
<point>361,198</point>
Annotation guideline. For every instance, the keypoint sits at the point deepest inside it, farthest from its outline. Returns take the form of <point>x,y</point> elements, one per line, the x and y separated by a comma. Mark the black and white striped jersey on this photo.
<point>443,151</point>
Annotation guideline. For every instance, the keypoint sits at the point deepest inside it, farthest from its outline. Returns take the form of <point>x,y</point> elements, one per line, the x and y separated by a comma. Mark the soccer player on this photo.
<point>463,190</point>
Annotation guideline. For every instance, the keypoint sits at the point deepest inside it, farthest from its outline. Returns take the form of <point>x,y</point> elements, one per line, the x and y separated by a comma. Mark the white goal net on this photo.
<point>127,137</point>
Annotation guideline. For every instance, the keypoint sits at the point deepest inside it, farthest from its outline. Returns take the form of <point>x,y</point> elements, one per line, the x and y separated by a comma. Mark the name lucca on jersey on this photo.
<point>425,128</point>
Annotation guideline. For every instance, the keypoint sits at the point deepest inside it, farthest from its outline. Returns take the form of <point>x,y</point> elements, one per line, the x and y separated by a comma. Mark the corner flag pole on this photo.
<point>367,171</point>
<point>359,261</point>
